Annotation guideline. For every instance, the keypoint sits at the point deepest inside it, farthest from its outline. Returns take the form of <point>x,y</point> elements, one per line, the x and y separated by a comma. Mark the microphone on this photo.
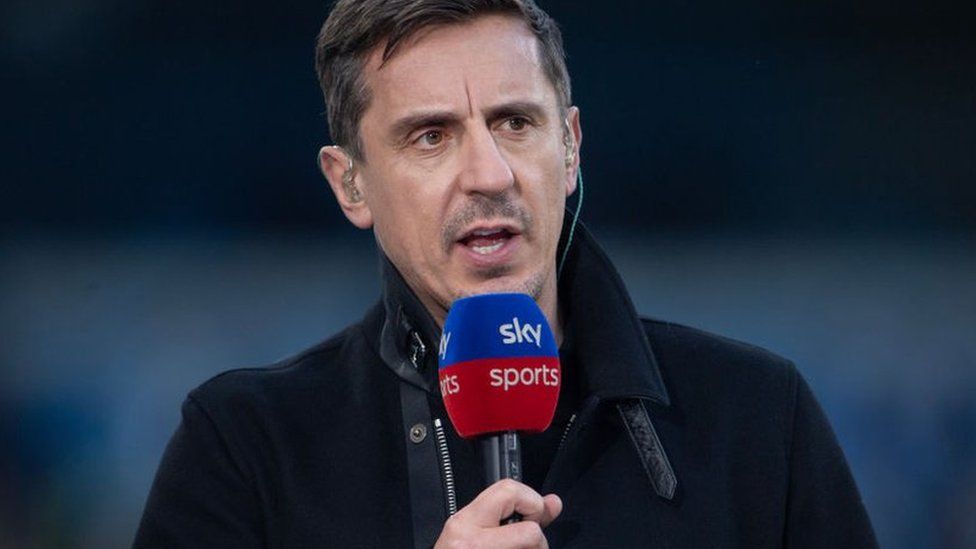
<point>499,375</point>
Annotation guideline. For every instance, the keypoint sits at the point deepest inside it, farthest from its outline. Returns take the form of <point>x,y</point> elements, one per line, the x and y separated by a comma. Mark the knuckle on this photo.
<point>531,535</point>
<point>508,485</point>
<point>451,535</point>
<point>507,489</point>
<point>535,505</point>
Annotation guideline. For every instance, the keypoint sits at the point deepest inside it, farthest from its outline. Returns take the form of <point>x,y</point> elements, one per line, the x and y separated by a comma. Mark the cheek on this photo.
<point>546,181</point>
<point>411,219</point>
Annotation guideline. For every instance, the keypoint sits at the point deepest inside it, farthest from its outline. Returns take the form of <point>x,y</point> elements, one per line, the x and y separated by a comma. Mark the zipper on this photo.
<point>447,472</point>
<point>573,427</point>
<point>547,483</point>
<point>418,352</point>
<point>562,439</point>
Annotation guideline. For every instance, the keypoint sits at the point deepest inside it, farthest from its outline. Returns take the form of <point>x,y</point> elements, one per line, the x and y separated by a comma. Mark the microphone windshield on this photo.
<point>499,365</point>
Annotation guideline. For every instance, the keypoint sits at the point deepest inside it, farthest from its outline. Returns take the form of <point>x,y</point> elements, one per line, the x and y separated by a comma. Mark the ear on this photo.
<point>343,177</point>
<point>574,138</point>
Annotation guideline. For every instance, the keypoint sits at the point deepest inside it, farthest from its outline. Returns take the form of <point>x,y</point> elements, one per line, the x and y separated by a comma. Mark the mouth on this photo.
<point>489,244</point>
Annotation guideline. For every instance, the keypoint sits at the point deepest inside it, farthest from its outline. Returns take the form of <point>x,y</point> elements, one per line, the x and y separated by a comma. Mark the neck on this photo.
<point>549,303</point>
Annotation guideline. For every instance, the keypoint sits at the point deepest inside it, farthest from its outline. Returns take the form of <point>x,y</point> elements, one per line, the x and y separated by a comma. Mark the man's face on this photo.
<point>466,172</point>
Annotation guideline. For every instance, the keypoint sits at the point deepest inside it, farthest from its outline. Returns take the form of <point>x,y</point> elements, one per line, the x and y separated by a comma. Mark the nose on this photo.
<point>484,169</point>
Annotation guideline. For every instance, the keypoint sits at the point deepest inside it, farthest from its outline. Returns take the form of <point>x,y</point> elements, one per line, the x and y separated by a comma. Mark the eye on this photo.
<point>431,138</point>
<point>516,123</point>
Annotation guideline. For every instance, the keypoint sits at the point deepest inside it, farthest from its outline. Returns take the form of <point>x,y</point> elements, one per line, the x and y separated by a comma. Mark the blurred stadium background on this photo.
<point>797,175</point>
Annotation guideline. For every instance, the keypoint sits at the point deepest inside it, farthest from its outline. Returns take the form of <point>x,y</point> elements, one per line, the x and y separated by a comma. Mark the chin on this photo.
<point>531,284</point>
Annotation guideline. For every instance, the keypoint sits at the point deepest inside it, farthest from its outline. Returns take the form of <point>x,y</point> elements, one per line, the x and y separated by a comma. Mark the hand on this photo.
<point>478,523</point>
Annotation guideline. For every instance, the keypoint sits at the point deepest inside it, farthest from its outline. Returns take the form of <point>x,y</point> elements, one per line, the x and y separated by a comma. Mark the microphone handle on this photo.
<point>502,454</point>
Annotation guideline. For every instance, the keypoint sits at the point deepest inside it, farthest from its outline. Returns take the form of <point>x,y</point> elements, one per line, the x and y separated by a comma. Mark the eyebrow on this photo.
<point>526,108</point>
<point>403,126</point>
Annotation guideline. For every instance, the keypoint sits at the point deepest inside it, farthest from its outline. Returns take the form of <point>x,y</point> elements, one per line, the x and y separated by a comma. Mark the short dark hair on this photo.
<point>355,27</point>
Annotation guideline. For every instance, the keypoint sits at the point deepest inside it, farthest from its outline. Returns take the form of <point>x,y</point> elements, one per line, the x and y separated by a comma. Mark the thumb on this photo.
<point>552,505</point>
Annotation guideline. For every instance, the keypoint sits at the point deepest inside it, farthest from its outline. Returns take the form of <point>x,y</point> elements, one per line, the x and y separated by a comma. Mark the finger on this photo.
<point>552,506</point>
<point>500,500</point>
<point>525,534</point>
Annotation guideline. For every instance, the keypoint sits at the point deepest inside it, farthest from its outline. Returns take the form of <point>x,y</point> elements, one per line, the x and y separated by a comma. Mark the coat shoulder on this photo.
<point>311,371</point>
<point>727,373</point>
<point>670,338</point>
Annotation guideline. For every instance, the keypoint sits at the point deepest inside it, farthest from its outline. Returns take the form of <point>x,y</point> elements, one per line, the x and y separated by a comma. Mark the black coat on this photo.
<point>682,439</point>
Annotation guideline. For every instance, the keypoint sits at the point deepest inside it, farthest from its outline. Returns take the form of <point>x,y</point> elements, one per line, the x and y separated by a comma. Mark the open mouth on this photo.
<point>486,241</point>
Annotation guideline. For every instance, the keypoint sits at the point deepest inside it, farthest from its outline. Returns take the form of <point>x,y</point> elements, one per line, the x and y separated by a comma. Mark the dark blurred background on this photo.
<point>798,175</point>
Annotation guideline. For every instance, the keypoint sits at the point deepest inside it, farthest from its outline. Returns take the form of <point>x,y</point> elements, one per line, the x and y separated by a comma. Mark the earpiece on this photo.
<point>570,145</point>
<point>349,184</point>
<point>349,187</point>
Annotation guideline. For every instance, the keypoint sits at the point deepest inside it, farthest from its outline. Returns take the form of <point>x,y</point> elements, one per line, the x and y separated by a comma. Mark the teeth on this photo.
<point>485,250</point>
<point>485,232</point>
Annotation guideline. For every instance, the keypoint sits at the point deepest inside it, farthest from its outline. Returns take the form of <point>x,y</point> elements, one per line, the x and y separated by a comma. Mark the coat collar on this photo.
<point>609,338</point>
<point>409,334</point>
<point>611,343</point>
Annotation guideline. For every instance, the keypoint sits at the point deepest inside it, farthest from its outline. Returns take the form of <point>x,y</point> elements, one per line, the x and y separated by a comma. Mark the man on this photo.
<point>457,144</point>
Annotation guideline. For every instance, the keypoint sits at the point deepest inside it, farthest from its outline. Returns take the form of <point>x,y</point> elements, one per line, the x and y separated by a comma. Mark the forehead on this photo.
<point>493,58</point>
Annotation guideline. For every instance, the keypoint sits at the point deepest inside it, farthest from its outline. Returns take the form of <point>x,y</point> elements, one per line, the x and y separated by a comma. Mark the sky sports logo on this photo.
<point>516,332</point>
<point>507,378</point>
<point>442,348</point>
<point>526,371</point>
<point>512,333</point>
<point>513,377</point>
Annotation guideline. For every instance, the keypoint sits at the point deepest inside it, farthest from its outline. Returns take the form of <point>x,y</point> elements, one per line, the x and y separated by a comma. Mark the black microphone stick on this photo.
<point>502,455</point>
